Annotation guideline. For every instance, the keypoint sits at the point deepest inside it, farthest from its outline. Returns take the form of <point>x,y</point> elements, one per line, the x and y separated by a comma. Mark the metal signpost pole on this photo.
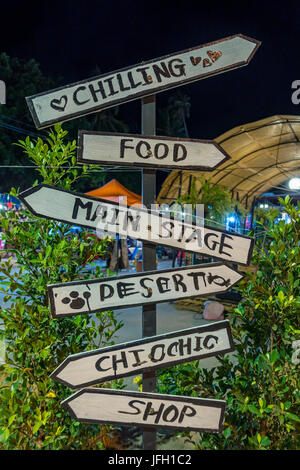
<point>149,255</point>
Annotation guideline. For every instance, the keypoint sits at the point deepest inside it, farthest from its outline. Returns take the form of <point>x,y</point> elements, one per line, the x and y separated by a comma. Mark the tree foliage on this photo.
<point>260,381</point>
<point>31,416</point>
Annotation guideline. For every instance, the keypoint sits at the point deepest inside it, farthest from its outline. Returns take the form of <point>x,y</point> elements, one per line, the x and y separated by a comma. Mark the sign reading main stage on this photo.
<point>143,355</point>
<point>102,405</point>
<point>72,208</point>
<point>147,78</point>
<point>79,297</point>
<point>146,151</point>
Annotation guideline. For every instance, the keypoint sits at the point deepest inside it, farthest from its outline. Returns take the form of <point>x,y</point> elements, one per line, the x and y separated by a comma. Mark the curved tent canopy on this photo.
<point>115,191</point>
<point>264,154</point>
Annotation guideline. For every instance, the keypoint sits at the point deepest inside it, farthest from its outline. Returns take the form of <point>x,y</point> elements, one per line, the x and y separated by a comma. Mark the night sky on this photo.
<point>70,38</point>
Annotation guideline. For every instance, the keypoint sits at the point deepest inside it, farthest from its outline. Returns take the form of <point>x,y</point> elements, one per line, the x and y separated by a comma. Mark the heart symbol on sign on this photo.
<point>195,60</point>
<point>59,105</point>
<point>214,55</point>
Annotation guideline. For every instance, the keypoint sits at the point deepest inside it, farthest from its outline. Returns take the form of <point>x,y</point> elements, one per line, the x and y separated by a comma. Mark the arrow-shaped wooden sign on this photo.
<point>147,78</point>
<point>95,295</point>
<point>102,405</point>
<point>143,355</point>
<point>78,209</point>
<point>148,151</point>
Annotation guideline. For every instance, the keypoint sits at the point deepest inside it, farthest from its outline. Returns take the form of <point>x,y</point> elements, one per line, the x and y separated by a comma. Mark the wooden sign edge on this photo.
<point>210,402</point>
<point>34,189</point>
<point>213,327</point>
<point>82,160</point>
<point>116,102</point>
<point>145,273</point>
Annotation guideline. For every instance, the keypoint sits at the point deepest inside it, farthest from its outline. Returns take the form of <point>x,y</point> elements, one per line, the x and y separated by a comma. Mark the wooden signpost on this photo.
<point>147,410</point>
<point>111,293</point>
<point>144,355</point>
<point>148,151</point>
<point>148,78</point>
<point>109,217</point>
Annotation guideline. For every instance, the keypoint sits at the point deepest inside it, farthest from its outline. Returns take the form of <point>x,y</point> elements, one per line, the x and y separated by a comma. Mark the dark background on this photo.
<point>71,38</point>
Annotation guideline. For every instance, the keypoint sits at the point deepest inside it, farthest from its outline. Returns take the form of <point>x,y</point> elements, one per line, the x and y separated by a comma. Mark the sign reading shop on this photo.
<point>150,77</point>
<point>102,405</point>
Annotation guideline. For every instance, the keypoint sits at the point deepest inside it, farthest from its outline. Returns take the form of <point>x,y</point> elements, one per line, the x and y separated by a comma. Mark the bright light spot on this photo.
<point>231,219</point>
<point>294,183</point>
<point>266,206</point>
<point>261,206</point>
<point>1,206</point>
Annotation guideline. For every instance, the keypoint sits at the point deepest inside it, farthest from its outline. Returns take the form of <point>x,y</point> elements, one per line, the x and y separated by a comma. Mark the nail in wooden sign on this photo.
<point>95,295</point>
<point>127,84</point>
<point>106,148</point>
<point>77,209</point>
<point>102,405</point>
<point>144,355</point>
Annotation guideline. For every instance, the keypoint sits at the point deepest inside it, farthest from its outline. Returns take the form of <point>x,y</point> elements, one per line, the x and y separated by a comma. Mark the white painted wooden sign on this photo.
<point>149,152</point>
<point>103,216</point>
<point>144,355</point>
<point>147,78</point>
<point>102,405</point>
<point>95,295</point>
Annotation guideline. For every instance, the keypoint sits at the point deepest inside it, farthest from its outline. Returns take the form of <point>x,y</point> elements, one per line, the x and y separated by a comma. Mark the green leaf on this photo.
<point>292,416</point>
<point>254,410</point>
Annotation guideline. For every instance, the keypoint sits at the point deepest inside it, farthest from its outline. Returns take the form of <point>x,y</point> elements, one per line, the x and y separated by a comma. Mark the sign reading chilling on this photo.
<point>143,355</point>
<point>73,208</point>
<point>147,78</point>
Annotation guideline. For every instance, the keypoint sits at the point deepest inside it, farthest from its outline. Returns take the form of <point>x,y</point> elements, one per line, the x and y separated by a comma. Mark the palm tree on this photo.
<point>172,119</point>
<point>180,103</point>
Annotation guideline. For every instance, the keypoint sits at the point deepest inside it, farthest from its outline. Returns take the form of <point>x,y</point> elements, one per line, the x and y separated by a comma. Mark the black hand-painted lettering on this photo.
<point>99,90</point>
<point>116,361</point>
<point>195,277</point>
<point>98,364</point>
<point>80,205</point>
<point>112,91</point>
<point>121,84</point>
<point>180,68</point>
<point>177,279</point>
<point>106,295</point>
<point>176,156</point>
<point>75,96</point>
<point>149,411</point>
<point>186,411</point>
<point>123,146</point>
<point>161,70</point>
<point>223,244</point>
<point>209,338</point>
<point>124,289</point>
<point>148,149</point>
<point>131,404</point>
<point>165,151</point>
<point>148,289</point>
<point>162,284</point>
<point>138,362</point>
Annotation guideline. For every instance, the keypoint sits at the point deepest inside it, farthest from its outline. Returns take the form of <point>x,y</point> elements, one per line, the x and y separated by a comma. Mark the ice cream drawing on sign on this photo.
<point>147,78</point>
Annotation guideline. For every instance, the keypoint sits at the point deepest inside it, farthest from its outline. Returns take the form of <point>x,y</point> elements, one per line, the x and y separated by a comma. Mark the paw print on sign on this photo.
<point>75,301</point>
